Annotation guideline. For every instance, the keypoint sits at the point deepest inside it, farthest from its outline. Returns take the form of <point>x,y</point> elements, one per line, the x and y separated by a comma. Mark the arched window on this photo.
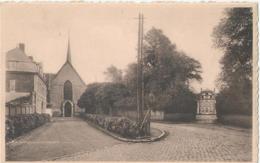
<point>67,90</point>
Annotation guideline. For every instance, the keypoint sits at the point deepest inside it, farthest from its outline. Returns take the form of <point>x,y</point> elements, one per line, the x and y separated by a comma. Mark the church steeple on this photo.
<point>68,52</point>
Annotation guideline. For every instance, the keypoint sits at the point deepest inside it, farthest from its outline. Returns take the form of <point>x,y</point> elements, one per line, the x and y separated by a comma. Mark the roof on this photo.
<point>68,52</point>
<point>20,62</point>
<point>69,63</point>
<point>17,54</point>
<point>12,96</point>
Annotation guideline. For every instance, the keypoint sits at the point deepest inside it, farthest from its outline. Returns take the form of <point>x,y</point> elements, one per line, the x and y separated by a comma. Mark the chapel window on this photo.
<point>67,90</point>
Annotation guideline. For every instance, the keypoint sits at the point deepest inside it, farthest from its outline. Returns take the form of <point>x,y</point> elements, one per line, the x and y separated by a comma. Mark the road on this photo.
<point>74,140</point>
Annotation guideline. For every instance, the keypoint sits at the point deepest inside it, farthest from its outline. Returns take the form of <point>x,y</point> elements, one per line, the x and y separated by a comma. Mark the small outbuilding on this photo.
<point>206,106</point>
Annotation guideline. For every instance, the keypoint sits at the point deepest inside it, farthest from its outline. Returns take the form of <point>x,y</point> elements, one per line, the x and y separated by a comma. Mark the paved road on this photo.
<point>63,137</point>
<point>76,140</point>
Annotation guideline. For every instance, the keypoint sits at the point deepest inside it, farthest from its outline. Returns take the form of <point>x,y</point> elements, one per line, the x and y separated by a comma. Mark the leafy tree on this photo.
<point>100,97</point>
<point>88,98</point>
<point>233,35</point>
<point>167,67</point>
<point>108,94</point>
<point>130,78</point>
<point>114,74</point>
<point>167,72</point>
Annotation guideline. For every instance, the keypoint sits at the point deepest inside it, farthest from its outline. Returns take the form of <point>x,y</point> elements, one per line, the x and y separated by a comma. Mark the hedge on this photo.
<point>23,123</point>
<point>118,125</point>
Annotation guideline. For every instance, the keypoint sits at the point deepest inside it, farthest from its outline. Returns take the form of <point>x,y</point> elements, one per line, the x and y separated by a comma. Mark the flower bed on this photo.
<point>20,124</point>
<point>119,125</point>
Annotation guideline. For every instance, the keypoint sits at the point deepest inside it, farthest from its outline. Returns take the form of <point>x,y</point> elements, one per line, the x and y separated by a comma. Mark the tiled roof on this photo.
<point>17,60</point>
<point>17,54</point>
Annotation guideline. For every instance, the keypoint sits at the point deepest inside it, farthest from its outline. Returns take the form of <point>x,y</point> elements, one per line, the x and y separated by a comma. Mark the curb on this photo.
<point>145,140</point>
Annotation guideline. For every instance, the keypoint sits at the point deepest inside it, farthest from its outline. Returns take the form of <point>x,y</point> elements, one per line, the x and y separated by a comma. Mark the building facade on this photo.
<point>64,89</point>
<point>26,88</point>
<point>206,105</point>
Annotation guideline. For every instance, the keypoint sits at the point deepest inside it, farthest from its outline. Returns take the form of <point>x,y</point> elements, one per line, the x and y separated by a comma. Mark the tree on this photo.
<point>114,74</point>
<point>233,35</point>
<point>108,94</point>
<point>88,99</point>
<point>130,78</point>
<point>166,67</point>
<point>100,97</point>
<point>167,72</point>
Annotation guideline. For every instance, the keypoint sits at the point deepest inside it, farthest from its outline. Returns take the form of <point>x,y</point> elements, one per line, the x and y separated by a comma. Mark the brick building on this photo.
<point>64,89</point>
<point>25,83</point>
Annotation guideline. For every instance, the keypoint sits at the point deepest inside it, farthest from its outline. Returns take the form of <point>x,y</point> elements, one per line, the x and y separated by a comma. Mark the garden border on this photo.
<point>143,140</point>
<point>17,139</point>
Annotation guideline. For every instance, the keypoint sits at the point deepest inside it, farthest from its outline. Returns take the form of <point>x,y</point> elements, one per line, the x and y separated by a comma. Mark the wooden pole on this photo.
<point>141,58</point>
<point>143,122</point>
<point>138,72</point>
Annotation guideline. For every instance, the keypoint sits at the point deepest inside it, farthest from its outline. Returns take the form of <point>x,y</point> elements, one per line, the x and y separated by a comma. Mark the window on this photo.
<point>67,90</point>
<point>12,85</point>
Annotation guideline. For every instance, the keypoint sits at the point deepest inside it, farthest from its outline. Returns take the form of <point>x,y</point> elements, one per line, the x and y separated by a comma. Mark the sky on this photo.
<point>104,35</point>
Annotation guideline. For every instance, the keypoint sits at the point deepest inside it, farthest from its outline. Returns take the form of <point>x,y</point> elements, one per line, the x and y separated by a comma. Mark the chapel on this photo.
<point>64,89</point>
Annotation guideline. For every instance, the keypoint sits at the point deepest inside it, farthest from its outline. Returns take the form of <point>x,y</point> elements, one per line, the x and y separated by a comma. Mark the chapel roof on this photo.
<point>68,62</point>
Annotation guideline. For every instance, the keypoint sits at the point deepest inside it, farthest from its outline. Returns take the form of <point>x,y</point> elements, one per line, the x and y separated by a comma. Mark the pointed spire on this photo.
<point>68,51</point>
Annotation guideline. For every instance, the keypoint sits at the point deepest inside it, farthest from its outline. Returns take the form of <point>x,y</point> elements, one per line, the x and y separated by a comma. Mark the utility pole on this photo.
<point>142,63</point>
<point>140,76</point>
<point>143,120</point>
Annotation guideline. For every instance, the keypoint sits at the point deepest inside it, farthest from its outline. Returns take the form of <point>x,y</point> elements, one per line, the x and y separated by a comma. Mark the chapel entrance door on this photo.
<point>67,110</point>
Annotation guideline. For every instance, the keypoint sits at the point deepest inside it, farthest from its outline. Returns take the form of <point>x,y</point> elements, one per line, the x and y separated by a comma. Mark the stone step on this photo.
<point>206,118</point>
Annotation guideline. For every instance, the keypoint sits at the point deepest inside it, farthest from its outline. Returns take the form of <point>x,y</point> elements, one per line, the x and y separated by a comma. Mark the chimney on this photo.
<point>21,46</point>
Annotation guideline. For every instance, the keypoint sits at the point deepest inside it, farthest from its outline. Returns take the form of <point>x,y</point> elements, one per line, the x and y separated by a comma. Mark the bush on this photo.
<point>23,123</point>
<point>119,125</point>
